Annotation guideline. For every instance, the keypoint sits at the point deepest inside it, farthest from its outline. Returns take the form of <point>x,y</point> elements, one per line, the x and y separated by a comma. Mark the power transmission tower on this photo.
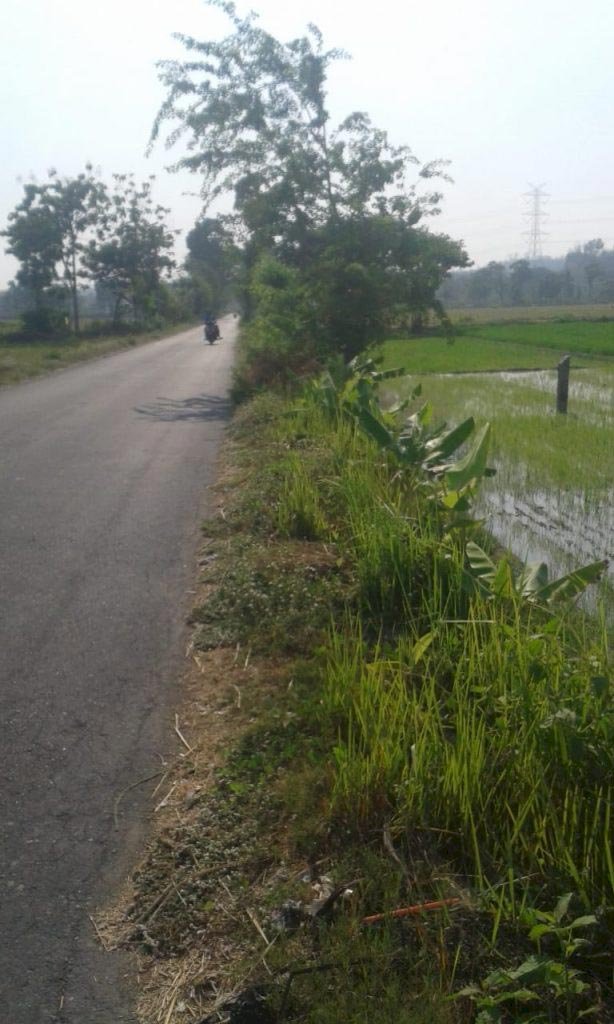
<point>535,213</point>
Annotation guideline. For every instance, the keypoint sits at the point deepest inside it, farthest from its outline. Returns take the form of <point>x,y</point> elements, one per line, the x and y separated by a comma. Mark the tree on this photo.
<point>33,240</point>
<point>211,262</point>
<point>47,233</point>
<point>520,281</point>
<point>253,112</point>
<point>131,253</point>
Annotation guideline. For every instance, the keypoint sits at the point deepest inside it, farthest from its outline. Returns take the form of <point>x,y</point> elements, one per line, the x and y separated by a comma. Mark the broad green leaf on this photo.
<point>532,578</point>
<point>394,410</point>
<point>469,990</point>
<point>445,446</point>
<point>421,418</point>
<point>376,430</point>
<point>421,646</point>
<point>562,906</point>
<point>462,521</point>
<point>496,979</point>
<point>359,365</point>
<point>517,995</point>
<point>503,581</point>
<point>573,583</point>
<point>425,414</point>
<point>535,969</point>
<point>584,922</point>
<point>411,449</point>
<point>538,930</point>
<point>480,563</point>
<point>472,466</point>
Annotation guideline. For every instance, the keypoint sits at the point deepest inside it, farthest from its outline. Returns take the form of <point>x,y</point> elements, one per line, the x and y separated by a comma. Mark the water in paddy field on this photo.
<point>524,507</point>
<point>563,527</point>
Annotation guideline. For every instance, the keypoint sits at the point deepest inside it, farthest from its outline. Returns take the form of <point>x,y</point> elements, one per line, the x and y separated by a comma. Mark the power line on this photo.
<point>535,213</point>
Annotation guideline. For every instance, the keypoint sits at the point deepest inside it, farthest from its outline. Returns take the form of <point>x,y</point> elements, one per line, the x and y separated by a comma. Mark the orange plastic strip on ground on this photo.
<point>419,908</point>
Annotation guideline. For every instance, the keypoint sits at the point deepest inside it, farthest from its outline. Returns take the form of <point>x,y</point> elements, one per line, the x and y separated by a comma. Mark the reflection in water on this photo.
<point>565,529</point>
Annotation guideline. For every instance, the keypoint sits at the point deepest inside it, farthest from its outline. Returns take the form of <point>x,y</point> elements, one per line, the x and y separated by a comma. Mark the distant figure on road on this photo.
<point>212,331</point>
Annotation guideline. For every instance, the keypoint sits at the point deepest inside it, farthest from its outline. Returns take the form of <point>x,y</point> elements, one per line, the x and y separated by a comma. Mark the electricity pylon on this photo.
<point>535,214</point>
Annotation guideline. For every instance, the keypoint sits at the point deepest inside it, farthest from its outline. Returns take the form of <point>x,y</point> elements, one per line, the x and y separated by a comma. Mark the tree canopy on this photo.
<point>339,204</point>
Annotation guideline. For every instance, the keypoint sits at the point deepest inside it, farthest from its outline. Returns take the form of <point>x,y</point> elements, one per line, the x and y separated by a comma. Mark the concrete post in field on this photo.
<point>562,384</point>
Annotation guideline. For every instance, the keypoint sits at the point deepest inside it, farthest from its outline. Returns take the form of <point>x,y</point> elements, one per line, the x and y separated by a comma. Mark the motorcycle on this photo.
<point>212,332</point>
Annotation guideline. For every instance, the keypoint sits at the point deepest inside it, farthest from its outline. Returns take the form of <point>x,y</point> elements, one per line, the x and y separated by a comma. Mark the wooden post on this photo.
<point>562,385</point>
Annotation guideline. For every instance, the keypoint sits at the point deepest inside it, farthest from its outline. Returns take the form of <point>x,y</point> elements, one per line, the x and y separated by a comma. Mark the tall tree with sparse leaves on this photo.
<point>253,114</point>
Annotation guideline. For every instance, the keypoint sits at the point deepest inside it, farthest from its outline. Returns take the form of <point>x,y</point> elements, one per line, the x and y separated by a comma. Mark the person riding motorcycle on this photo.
<point>212,331</point>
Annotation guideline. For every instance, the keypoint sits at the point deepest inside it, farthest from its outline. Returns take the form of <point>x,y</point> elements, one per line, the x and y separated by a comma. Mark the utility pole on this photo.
<point>535,213</point>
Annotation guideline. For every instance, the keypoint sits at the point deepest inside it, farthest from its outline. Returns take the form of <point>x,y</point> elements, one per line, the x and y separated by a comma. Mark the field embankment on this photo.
<point>22,359</point>
<point>413,821</point>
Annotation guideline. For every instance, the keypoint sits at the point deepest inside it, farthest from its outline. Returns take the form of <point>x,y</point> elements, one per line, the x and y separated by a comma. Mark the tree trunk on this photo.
<point>118,302</point>
<point>75,296</point>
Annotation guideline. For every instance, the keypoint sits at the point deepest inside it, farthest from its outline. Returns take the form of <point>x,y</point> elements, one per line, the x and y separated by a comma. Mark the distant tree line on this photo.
<point>71,234</point>
<point>584,275</point>
<point>327,240</point>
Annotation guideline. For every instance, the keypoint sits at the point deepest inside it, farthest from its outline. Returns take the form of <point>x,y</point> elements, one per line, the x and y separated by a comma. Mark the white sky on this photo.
<point>511,91</point>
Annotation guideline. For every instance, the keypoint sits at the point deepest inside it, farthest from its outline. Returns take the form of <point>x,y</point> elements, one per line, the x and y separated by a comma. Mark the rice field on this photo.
<point>553,496</point>
<point>532,314</point>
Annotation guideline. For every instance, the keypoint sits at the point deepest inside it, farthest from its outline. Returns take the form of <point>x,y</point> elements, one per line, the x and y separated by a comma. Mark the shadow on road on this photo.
<point>201,407</point>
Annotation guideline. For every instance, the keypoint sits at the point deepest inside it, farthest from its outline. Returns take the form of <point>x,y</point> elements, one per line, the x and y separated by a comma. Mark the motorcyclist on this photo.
<point>211,327</point>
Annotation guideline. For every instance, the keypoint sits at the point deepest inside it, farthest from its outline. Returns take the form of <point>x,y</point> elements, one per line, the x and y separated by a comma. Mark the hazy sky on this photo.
<point>511,91</point>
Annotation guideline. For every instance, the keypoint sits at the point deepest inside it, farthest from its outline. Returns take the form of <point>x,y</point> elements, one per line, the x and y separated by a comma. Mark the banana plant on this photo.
<point>531,584</point>
<point>417,447</point>
<point>357,390</point>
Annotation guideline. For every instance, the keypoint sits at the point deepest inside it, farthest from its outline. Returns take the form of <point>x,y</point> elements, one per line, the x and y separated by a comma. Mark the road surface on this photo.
<point>103,469</point>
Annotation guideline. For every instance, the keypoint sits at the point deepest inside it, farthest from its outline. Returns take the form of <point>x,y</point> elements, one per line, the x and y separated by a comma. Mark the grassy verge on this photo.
<point>20,360</point>
<point>404,745</point>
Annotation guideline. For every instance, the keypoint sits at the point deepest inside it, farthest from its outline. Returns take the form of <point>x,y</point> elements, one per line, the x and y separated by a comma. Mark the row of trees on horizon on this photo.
<point>584,275</point>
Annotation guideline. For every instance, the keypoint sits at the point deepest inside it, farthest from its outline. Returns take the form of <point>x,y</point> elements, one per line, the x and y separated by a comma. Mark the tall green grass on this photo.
<point>491,738</point>
<point>482,722</point>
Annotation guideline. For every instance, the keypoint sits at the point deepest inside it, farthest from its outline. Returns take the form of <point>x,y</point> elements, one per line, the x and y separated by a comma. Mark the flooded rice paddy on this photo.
<point>552,499</point>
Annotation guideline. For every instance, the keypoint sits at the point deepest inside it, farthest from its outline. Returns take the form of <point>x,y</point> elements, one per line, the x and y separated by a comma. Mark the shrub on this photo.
<point>45,322</point>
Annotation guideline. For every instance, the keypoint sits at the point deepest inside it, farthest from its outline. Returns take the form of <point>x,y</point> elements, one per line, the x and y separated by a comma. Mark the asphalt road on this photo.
<point>103,469</point>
